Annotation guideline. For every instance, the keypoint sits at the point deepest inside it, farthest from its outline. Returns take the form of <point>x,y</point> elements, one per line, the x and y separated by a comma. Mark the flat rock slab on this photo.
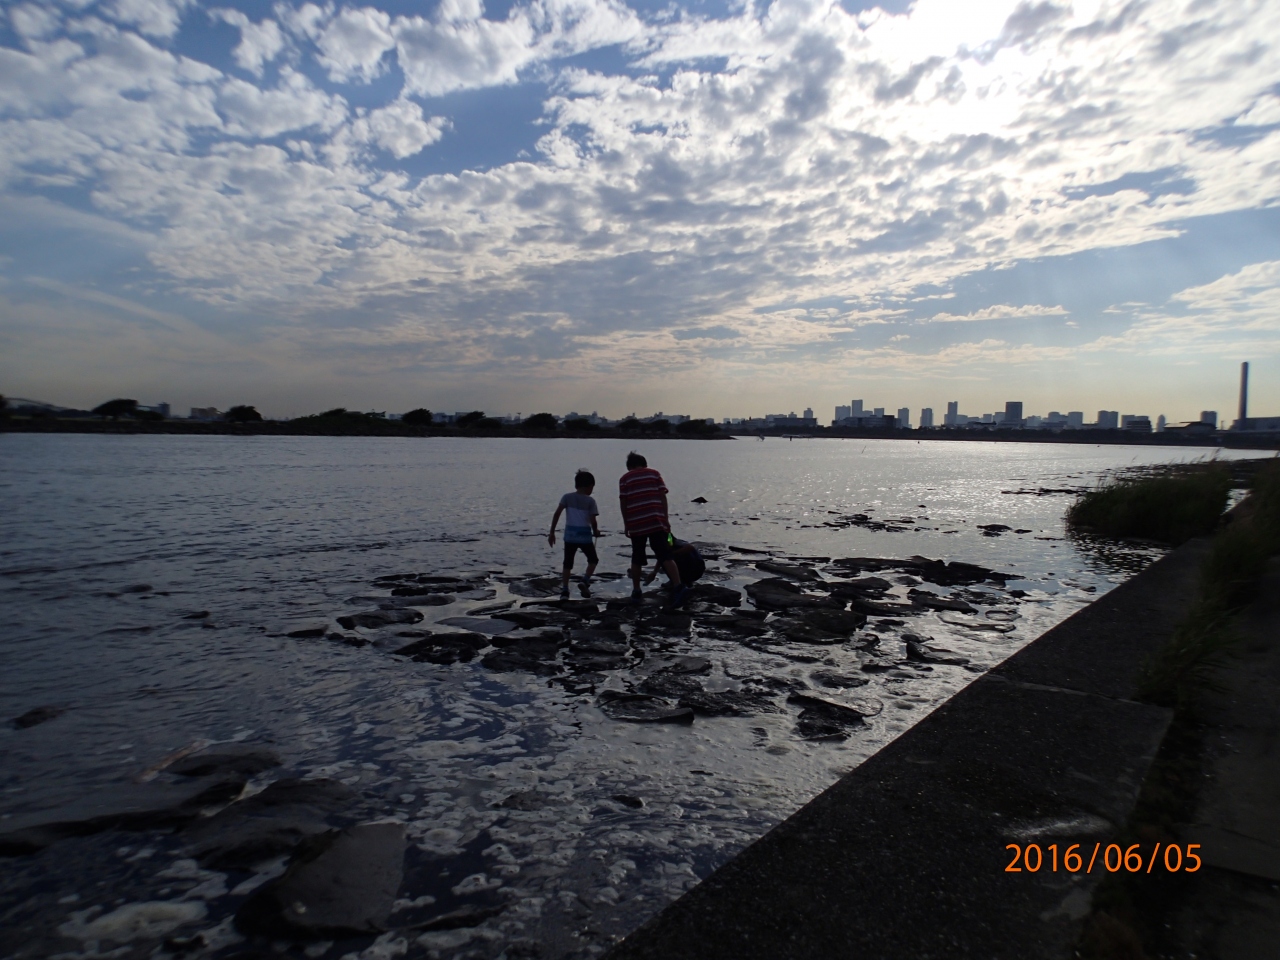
<point>222,760</point>
<point>486,625</point>
<point>339,883</point>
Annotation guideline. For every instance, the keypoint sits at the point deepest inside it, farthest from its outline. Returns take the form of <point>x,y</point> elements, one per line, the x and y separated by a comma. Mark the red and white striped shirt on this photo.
<point>644,509</point>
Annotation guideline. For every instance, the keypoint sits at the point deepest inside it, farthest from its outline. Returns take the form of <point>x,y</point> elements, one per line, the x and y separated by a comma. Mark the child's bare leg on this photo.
<point>672,571</point>
<point>591,568</point>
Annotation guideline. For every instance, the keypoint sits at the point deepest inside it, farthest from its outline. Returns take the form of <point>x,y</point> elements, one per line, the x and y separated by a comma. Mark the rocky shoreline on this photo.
<point>284,857</point>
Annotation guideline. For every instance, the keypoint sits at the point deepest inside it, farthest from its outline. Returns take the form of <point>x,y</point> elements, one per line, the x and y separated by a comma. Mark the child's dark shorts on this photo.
<point>588,551</point>
<point>657,540</point>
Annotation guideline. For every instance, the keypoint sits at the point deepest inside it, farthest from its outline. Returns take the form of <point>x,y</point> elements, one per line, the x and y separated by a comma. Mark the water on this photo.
<point>269,534</point>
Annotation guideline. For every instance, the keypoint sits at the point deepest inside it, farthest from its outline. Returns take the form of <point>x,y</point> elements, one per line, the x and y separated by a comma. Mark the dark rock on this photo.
<point>772,684</point>
<point>218,761</point>
<point>445,648</point>
<point>674,685</point>
<point>839,622</point>
<point>635,803</point>
<point>198,615</point>
<point>528,655</point>
<point>267,824</point>
<point>863,585</point>
<point>1023,531</point>
<point>790,571</point>
<point>339,883</point>
<point>487,625</point>
<point>923,598</point>
<point>823,719</point>
<point>598,641</point>
<point>641,708</point>
<point>839,681</point>
<point>919,653</point>
<point>374,619</point>
<point>471,915</point>
<point>537,587</point>
<point>710,593</point>
<point>779,594</point>
<point>993,529</point>
<point>698,500</point>
<point>797,631</point>
<point>349,640</point>
<point>877,608</point>
<point>36,716</point>
<point>307,633</point>
<point>728,703</point>
<point>138,588</point>
<point>737,625</point>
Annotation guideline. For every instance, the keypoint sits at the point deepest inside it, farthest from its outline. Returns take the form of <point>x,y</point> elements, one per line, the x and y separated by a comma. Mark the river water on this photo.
<point>517,790</point>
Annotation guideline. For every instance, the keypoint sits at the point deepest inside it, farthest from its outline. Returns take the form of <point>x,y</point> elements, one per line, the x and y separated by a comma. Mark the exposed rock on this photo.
<point>309,633</point>
<point>737,625</point>
<point>839,681</point>
<point>36,716</point>
<point>923,598</point>
<point>790,571</point>
<point>674,685</point>
<point>339,883</point>
<point>877,608</point>
<point>527,655</point>
<point>222,760</point>
<point>635,803</point>
<point>267,824</point>
<point>530,619</point>
<point>710,593</point>
<point>840,622</point>
<point>486,625</point>
<point>797,631</point>
<point>698,500</point>
<point>823,719</point>
<point>374,619</point>
<point>919,653</point>
<point>349,640</point>
<point>993,529</point>
<point>536,587</point>
<point>641,708</point>
<point>728,703</point>
<point>778,594</point>
<point>445,648</point>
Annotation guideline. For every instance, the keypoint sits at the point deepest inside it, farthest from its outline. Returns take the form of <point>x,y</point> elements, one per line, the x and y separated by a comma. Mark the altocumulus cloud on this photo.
<point>686,171</point>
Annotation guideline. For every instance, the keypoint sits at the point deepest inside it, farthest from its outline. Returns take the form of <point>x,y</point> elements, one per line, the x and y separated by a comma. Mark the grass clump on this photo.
<point>1168,507</point>
<point>1228,581</point>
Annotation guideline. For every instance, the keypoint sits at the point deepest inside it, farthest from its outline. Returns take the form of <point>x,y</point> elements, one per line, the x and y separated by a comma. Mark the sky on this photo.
<point>710,208</point>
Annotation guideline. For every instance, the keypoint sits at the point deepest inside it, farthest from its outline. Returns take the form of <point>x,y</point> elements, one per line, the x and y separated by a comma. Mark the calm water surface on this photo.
<point>266,534</point>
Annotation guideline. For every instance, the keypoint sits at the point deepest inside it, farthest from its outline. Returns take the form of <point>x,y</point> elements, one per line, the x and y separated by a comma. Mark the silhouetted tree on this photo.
<point>242,414</point>
<point>487,423</point>
<point>658,426</point>
<point>419,417</point>
<point>538,422</point>
<point>631,423</point>
<point>697,428</point>
<point>153,416</point>
<point>4,407</point>
<point>115,409</point>
<point>470,419</point>
<point>580,425</point>
<point>335,412</point>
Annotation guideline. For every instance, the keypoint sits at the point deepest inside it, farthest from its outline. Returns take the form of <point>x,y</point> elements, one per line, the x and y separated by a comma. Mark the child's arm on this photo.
<point>595,525</point>
<point>555,521</point>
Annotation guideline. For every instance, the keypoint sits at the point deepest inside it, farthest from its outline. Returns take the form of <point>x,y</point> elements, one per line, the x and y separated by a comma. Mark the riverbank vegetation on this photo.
<point>1168,506</point>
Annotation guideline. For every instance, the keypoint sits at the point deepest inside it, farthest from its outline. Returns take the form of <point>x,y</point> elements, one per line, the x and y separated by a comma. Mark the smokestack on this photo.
<point>1244,392</point>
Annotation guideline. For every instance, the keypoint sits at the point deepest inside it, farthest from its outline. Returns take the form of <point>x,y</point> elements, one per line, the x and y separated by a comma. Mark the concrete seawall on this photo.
<point>905,856</point>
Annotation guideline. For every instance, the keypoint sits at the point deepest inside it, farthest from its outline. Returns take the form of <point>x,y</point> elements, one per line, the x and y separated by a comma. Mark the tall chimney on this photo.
<point>1244,392</point>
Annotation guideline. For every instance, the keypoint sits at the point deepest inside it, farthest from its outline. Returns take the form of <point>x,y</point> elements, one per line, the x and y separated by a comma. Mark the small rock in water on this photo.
<point>486,625</point>
<point>993,529</point>
<point>710,593</point>
<point>791,571</point>
<point>673,685</point>
<point>445,648</point>
<point>635,803</point>
<point>919,653</point>
<point>339,883</point>
<point>198,615</point>
<point>245,761</point>
<point>36,716</point>
<point>728,703</point>
<point>374,619</point>
<point>641,708</point>
<point>840,681</point>
<point>698,500</point>
<point>825,720</point>
<point>308,633</point>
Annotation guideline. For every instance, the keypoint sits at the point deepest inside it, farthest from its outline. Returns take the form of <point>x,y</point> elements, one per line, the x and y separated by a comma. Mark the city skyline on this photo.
<point>595,203</point>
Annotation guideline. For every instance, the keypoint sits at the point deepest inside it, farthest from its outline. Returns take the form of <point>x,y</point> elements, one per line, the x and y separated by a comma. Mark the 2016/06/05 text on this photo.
<point>1114,859</point>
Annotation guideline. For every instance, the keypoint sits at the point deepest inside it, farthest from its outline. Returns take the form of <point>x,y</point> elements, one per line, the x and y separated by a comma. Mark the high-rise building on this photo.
<point>1075,418</point>
<point>926,418</point>
<point>808,413</point>
<point>1210,417</point>
<point>952,416</point>
<point>162,408</point>
<point>878,412</point>
<point>1160,422</point>
<point>1012,413</point>
<point>843,413</point>
<point>904,418</point>
<point>857,409</point>
<point>1108,419</point>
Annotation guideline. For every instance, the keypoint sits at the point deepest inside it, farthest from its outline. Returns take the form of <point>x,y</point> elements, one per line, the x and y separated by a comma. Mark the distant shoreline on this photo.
<point>394,428</point>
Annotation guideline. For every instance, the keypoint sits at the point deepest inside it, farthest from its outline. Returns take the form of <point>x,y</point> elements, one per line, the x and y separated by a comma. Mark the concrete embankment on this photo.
<point>906,856</point>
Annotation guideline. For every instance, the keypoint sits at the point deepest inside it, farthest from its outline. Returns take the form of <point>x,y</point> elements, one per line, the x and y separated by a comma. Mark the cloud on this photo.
<point>400,129</point>
<point>353,44</point>
<point>259,44</point>
<point>294,104</point>
<point>1000,311</point>
<point>156,18</point>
